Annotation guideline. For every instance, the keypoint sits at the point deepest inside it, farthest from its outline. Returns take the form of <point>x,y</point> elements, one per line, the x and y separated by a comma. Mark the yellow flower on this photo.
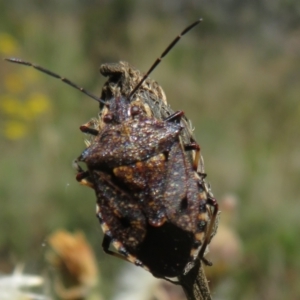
<point>38,104</point>
<point>10,105</point>
<point>15,130</point>
<point>8,45</point>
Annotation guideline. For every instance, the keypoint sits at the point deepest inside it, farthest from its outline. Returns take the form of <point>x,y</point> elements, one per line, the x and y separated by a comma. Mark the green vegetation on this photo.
<point>236,76</point>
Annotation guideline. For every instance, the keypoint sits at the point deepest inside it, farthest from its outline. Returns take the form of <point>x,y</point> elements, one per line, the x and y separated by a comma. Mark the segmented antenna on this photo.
<point>84,91</point>
<point>166,51</point>
<point>65,80</point>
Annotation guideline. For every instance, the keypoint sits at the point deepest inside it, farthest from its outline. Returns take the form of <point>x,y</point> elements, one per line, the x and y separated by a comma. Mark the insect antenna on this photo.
<point>166,51</point>
<point>65,80</point>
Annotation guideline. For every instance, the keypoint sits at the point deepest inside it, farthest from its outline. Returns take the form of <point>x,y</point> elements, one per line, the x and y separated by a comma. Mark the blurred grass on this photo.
<point>236,77</point>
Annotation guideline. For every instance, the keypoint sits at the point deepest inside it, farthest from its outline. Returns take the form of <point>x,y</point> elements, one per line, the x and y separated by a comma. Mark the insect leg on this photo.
<point>193,145</point>
<point>83,177</point>
<point>89,130</point>
<point>121,219</point>
<point>196,147</point>
<point>105,245</point>
<point>211,202</point>
<point>123,253</point>
<point>175,116</point>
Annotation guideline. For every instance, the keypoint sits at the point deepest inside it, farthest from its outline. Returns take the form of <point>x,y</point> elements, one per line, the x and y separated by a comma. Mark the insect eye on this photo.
<point>107,118</point>
<point>134,110</point>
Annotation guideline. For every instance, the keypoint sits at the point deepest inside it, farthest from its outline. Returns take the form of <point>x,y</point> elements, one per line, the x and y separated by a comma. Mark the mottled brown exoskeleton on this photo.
<point>147,172</point>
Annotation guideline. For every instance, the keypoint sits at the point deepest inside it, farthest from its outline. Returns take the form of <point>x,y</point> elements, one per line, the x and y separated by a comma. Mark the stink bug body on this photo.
<point>152,200</point>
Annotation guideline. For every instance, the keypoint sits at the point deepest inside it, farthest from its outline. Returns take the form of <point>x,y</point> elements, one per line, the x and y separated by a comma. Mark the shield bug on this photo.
<point>142,161</point>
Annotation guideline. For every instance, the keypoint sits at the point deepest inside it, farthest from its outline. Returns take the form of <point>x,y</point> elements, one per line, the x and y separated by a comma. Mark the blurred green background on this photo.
<point>236,76</point>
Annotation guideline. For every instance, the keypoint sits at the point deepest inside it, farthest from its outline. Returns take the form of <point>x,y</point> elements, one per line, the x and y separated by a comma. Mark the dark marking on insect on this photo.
<point>153,203</point>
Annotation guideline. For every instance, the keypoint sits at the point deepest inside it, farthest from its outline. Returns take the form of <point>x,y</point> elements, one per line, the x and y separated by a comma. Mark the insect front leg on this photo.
<point>83,177</point>
<point>89,128</point>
